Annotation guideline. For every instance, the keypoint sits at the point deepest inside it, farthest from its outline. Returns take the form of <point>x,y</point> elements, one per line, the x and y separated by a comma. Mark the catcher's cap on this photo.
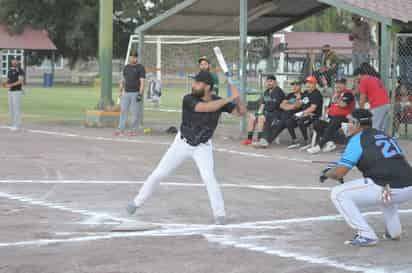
<point>311,79</point>
<point>203,58</point>
<point>361,116</point>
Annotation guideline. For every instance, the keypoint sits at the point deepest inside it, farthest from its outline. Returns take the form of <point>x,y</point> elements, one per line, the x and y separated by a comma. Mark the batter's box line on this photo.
<point>107,139</point>
<point>176,184</point>
<point>245,225</point>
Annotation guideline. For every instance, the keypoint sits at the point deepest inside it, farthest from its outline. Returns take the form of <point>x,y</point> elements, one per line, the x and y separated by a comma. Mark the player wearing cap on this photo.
<point>290,105</point>
<point>312,104</point>
<point>343,103</point>
<point>131,91</point>
<point>386,179</point>
<point>200,115</point>
<point>268,112</point>
<point>205,65</point>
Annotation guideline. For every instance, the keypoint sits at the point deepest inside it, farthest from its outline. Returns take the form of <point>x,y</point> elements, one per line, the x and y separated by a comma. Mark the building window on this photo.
<point>6,56</point>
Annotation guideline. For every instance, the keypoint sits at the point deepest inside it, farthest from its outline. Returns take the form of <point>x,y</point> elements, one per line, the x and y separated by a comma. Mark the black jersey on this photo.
<point>292,99</point>
<point>378,157</point>
<point>272,99</point>
<point>199,127</point>
<point>13,76</point>
<point>314,97</point>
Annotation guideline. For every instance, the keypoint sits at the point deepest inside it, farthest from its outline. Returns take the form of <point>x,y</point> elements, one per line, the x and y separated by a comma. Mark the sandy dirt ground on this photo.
<point>63,188</point>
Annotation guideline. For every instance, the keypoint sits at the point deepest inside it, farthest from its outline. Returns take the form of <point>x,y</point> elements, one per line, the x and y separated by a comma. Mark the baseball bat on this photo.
<point>221,60</point>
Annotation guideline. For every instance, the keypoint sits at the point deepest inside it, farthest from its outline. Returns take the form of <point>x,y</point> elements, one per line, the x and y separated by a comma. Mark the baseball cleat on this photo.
<point>277,141</point>
<point>361,241</point>
<point>220,220</point>
<point>246,142</point>
<point>131,208</point>
<point>132,134</point>
<point>118,133</point>
<point>386,236</point>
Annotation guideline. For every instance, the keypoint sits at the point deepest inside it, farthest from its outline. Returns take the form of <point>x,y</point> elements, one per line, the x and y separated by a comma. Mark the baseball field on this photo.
<point>64,187</point>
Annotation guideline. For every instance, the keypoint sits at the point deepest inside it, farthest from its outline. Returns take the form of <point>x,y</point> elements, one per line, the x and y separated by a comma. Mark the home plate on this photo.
<point>135,226</point>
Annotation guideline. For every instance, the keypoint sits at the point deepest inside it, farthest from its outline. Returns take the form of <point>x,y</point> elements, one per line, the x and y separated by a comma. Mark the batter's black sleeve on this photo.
<point>190,102</point>
<point>228,108</point>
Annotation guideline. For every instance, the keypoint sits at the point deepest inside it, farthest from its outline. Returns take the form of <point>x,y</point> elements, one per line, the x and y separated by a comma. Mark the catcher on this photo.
<point>386,179</point>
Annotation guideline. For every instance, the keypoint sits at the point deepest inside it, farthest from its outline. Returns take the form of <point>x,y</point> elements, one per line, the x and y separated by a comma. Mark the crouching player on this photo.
<point>386,182</point>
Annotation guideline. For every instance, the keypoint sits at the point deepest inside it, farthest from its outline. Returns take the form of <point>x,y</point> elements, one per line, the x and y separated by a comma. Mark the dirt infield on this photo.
<point>63,188</point>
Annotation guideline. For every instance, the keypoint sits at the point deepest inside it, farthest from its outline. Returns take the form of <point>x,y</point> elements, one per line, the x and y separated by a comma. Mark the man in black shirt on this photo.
<point>291,104</point>
<point>200,116</point>
<point>132,91</point>
<point>15,77</point>
<point>312,106</point>
<point>387,178</point>
<point>268,113</point>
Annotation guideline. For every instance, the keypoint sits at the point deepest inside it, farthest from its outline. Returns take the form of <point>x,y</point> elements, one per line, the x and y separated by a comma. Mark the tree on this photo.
<point>329,20</point>
<point>73,24</point>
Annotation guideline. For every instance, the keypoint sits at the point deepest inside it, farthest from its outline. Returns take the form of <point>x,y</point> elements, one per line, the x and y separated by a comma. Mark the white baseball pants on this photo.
<point>178,152</point>
<point>364,192</point>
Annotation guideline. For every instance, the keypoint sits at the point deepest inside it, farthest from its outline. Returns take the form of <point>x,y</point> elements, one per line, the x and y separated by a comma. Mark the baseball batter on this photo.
<point>200,116</point>
<point>387,179</point>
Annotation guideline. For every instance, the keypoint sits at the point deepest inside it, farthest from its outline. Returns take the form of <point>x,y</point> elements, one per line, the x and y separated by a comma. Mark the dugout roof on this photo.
<point>221,17</point>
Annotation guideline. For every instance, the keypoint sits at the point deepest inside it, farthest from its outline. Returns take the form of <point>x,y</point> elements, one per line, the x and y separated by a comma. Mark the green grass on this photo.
<point>68,104</point>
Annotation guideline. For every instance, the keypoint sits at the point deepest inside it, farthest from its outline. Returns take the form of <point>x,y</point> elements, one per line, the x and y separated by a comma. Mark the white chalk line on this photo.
<point>176,230</point>
<point>227,240</point>
<point>175,184</point>
<point>108,139</point>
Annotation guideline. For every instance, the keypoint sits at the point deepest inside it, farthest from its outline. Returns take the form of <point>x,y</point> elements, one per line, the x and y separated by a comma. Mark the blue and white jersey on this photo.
<point>378,157</point>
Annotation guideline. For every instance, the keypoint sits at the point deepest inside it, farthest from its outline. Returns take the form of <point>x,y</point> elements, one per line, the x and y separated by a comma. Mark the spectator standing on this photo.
<point>361,39</point>
<point>205,65</point>
<point>373,91</point>
<point>329,67</point>
<point>132,91</point>
<point>15,78</point>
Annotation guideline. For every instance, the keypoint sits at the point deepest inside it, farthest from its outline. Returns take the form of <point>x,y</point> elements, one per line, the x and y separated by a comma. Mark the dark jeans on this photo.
<point>304,123</point>
<point>327,131</point>
<point>273,119</point>
<point>287,120</point>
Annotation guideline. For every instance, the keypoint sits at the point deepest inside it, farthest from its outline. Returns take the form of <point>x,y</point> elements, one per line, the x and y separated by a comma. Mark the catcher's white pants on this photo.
<point>364,192</point>
<point>178,152</point>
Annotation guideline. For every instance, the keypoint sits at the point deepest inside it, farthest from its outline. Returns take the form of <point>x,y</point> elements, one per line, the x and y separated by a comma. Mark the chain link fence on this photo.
<point>402,86</point>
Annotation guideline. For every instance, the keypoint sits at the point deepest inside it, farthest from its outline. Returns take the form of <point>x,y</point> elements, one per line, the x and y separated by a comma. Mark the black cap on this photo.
<point>271,77</point>
<point>204,76</point>
<point>342,81</point>
<point>363,116</point>
<point>134,54</point>
<point>296,82</point>
<point>203,58</point>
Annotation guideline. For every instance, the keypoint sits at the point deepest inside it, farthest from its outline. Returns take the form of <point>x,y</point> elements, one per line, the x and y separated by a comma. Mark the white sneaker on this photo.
<point>262,144</point>
<point>277,141</point>
<point>329,147</point>
<point>314,150</point>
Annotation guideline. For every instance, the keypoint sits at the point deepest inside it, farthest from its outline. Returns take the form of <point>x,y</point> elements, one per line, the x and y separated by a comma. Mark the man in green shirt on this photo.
<point>204,65</point>
<point>329,67</point>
